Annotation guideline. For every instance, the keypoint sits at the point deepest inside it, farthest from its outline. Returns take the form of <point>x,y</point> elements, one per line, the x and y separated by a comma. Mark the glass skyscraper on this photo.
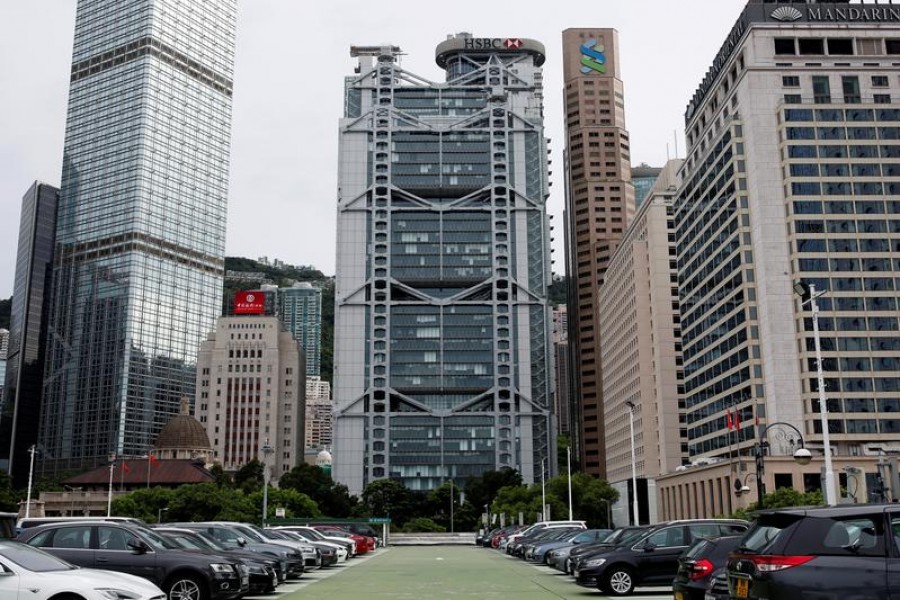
<point>21,400</point>
<point>443,360</point>
<point>300,307</point>
<point>137,274</point>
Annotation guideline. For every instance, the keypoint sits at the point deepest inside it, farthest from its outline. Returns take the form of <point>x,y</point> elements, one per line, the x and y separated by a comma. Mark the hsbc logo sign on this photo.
<point>493,43</point>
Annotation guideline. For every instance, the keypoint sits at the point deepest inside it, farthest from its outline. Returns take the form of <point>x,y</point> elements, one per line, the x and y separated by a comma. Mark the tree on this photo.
<point>333,499</point>
<point>590,497</point>
<point>296,504</point>
<point>389,498</point>
<point>220,477</point>
<point>250,477</point>
<point>784,497</point>
<point>481,491</point>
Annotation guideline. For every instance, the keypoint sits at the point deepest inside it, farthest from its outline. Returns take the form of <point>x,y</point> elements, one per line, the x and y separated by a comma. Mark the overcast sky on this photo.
<point>292,57</point>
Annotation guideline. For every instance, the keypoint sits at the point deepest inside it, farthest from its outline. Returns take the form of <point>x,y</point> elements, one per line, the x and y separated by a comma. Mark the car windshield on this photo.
<point>625,535</point>
<point>34,559</point>
<point>765,532</point>
<point>210,541</point>
<point>157,541</point>
<point>251,534</point>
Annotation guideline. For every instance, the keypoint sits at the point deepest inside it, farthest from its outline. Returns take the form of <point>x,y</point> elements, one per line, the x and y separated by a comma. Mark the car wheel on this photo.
<point>186,587</point>
<point>618,581</point>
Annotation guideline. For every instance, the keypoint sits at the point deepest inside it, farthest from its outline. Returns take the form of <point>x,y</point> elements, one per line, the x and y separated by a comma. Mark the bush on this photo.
<point>422,525</point>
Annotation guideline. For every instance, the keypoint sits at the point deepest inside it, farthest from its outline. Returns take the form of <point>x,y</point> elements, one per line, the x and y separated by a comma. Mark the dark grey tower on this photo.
<point>28,321</point>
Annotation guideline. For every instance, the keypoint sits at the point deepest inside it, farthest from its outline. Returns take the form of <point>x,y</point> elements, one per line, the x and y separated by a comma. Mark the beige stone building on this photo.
<point>561,398</point>
<point>599,206</point>
<point>251,393</point>
<point>319,413</point>
<point>640,356</point>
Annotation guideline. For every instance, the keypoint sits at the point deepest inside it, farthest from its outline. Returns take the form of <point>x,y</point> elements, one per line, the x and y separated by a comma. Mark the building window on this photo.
<point>811,46</point>
<point>821,89</point>
<point>784,46</point>
<point>790,81</point>
<point>882,98</point>
<point>879,81</point>
<point>850,85</point>
<point>792,99</point>
<point>840,46</point>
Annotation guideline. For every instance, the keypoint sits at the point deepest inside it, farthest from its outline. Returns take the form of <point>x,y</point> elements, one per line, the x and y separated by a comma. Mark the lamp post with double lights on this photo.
<point>634,490</point>
<point>31,450</point>
<point>802,456</point>
<point>808,294</point>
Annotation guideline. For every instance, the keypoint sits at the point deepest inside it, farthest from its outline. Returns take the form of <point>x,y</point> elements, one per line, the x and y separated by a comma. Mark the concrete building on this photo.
<point>250,393</point>
<point>21,401</point>
<point>4,348</point>
<point>791,175</point>
<point>443,361</point>
<point>319,413</point>
<point>300,308</point>
<point>640,353</point>
<point>561,402</point>
<point>140,236</point>
<point>599,206</point>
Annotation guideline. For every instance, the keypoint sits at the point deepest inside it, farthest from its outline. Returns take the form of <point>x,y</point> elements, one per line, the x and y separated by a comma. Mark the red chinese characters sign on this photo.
<point>249,303</point>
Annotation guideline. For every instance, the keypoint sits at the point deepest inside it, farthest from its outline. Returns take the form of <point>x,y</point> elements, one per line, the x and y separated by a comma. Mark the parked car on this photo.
<point>823,553</point>
<point>232,538</point>
<point>363,543</point>
<point>717,589</point>
<point>524,546</point>
<point>649,560</point>
<point>619,536</point>
<point>541,552</point>
<point>263,570</point>
<point>327,553</point>
<point>317,536</point>
<point>539,526</point>
<point>28,522</point>
<point>128,548</point>
<point>499,538</point>
<point>700,563</point>
<point>28,573</point>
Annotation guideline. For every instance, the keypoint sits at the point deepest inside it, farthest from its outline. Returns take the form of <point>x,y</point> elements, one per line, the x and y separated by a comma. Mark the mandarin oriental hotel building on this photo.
<point>443,359</point>
<point>792,175</point>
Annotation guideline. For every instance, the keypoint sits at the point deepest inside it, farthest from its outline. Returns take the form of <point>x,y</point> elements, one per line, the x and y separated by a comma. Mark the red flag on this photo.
<point>154,460</point>
<point>728,420</point>
<point>737,420</point>
<point>125,467</point>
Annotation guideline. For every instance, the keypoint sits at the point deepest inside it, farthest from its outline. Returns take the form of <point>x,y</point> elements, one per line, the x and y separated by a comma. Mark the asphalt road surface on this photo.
<point>425,572</point>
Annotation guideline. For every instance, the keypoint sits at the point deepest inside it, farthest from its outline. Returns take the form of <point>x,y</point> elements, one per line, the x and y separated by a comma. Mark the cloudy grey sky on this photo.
<point>292,57</point>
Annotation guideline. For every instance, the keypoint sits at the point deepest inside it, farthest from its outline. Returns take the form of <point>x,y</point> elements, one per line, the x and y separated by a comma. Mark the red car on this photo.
<point>363,543</point>
<point>504,533</point>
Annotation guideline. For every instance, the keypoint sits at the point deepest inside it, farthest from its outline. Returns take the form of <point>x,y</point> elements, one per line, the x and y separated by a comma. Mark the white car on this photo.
<point>30,573</point>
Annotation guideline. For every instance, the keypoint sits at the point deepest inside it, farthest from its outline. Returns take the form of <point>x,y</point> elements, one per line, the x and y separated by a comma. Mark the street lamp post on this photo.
<point>809,291</point>
<point>569,477</point>
<point>543,493</point>
<point>266,450</point>
<point>634,498</point>
<point>802,456</point>
<point>31,450</point>
<point>159,514</point>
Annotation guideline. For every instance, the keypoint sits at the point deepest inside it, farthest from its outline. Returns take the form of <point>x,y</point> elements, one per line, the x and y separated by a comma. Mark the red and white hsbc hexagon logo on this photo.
<point>512,43</point>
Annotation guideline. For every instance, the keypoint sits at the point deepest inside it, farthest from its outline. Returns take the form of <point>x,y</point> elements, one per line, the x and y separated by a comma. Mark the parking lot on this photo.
<point>416,572</point>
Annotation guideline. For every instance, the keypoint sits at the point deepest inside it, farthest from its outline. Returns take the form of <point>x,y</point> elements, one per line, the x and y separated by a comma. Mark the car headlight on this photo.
<point>222,567</point>
<point>114,594</point>
<point>594,562</point>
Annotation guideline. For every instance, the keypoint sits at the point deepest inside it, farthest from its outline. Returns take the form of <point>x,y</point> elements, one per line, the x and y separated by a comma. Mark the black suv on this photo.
<point>649,559</point>
<point>823,553</point>
<point>129,548</point>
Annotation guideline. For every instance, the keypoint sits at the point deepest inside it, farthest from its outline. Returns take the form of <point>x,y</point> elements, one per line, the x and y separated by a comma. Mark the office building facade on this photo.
<point>319,413</point>
<point>640,352</point>
<point>300,308</point>
<point>791,175</point>
<point>251,393</point>
<point>140,238</point>
<point>599,206</point>
<point>21,402</point>
<point>561,403</point>
<point>643,177</point>
<point>443,358</point>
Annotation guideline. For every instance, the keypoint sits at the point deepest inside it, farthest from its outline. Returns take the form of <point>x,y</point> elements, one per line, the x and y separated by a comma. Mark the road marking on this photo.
<point>310,577</point>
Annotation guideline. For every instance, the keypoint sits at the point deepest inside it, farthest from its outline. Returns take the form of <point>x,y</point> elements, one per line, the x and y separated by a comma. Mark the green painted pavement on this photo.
<point>424,572</point>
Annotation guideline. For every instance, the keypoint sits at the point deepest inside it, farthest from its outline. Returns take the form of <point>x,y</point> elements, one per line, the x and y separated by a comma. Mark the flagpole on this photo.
<point>112,467</point>
<point>148,468</point>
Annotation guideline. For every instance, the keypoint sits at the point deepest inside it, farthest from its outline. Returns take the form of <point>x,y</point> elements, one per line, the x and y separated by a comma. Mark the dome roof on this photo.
<point>323,458</point>
<point>183,431</point>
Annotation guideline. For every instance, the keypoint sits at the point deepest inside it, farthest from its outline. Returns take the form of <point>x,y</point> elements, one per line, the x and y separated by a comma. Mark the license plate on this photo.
<point>709,597</point>
<point>575,573</point>
<point>741,588</point>
<point>679,596</point>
